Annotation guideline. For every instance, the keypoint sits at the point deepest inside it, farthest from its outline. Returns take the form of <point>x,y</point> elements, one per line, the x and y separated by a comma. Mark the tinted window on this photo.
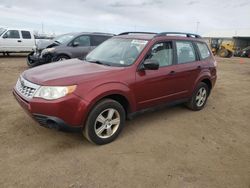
<point>96,40</point>
<point>203,49</point>
<point>12,34</point>
<point>163,53</point>
<point>83,40</point>
<point>185,52</point>
<point>26,34</point>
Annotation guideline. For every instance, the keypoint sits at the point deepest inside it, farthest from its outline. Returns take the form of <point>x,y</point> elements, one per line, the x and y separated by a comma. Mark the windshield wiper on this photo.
<point>97,62</point>
<point>57,42</point>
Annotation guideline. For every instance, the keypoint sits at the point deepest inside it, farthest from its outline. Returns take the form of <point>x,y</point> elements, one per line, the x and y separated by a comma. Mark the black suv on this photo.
<point>67,46</point>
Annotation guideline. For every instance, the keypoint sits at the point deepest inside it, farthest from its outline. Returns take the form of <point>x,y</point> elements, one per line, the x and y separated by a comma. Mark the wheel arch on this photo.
<point>206,78</point>
<point>116,91</point>
<point>208,83</point>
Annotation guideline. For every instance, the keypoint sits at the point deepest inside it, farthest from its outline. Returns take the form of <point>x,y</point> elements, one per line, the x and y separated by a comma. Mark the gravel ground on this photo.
<point>172,147</point>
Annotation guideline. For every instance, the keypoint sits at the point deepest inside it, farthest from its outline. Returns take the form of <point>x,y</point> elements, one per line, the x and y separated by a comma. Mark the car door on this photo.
<point>156,86</point>
<point>27,41</point>
<point>80,46</point>
<point>11,41</point>
<point>187,69</point>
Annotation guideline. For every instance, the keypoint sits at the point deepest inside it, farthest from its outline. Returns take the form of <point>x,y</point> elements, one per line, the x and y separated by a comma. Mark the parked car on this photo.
<point>124,75</point>
<point>243,53</point>
<point>71,45</point>
<point>16,40</point>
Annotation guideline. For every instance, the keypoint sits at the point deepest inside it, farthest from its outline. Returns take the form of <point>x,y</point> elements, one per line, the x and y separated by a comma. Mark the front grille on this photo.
<point>26,88</point>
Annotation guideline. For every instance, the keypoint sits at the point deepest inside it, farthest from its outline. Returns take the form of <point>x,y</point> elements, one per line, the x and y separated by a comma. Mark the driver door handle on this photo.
<point>19,41</point>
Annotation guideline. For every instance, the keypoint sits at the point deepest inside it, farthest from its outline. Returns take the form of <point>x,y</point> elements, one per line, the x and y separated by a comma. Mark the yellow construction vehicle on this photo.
<point>222,47</point>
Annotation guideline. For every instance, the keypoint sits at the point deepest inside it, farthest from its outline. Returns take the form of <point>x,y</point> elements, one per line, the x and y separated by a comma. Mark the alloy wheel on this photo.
<point>201,97</point>
<point>107,123</point>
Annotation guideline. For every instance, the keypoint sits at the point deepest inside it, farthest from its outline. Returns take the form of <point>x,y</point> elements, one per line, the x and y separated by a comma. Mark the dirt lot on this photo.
<point>173,147</point>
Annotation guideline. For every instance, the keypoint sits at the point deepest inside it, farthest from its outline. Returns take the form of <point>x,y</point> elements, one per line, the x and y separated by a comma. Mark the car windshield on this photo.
<point>2,30</point>
<point>62,39</point>
<point>117,52</point>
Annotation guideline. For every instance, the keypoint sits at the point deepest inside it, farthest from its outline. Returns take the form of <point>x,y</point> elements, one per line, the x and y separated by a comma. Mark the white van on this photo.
<point>16,40</point>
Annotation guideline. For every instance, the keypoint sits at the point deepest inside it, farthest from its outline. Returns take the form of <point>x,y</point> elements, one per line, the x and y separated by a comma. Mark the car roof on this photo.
<point>19,29</point>
<point>92,33</point>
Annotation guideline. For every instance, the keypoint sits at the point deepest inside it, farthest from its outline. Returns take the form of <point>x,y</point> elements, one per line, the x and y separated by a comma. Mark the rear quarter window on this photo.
<point>203,49</point>
<point>26,34</point>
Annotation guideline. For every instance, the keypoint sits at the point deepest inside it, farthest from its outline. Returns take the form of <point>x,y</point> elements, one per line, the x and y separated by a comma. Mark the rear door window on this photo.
<point>12,34</point>
<point>185,52</point>
<point>96,40</point>
<point>26,34</point>
<point>203,49</point>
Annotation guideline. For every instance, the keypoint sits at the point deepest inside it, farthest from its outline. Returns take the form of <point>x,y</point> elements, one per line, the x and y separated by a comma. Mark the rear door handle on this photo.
<point>19,41</point>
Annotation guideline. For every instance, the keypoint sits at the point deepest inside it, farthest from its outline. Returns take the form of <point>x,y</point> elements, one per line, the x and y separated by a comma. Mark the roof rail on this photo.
<point>136,32</point>
<point>177,33</point>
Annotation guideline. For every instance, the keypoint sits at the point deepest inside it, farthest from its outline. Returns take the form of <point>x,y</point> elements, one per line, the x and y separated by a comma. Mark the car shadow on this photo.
<point>21,55</point>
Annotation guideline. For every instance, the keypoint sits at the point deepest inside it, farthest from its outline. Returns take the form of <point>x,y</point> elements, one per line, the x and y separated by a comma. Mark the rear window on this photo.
<point>203,49</point>
<point>26,34</point>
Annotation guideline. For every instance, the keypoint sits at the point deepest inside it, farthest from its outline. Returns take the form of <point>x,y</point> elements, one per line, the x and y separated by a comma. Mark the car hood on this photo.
<point>69,72</point>
<point>43,43</point>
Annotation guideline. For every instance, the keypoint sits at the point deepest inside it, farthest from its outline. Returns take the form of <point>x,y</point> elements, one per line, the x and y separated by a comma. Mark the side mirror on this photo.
<point>151,64</point>
<point>75,44</point>
<point>5,36</point>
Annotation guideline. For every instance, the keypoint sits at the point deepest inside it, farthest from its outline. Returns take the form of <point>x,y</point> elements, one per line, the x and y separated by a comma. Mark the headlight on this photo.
<point>54,92</point>
<point>47,50</point>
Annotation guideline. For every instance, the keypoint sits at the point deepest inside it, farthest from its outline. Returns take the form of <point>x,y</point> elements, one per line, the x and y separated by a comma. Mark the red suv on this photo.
<point>124,75</point>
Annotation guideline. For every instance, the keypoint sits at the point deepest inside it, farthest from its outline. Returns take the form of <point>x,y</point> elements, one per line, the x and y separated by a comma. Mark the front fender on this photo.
<point>112,88</point>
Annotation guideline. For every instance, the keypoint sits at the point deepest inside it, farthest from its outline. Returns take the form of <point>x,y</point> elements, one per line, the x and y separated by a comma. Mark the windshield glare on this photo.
<point>117,51</point>
<point>64,38</point>
<point>2,30</point>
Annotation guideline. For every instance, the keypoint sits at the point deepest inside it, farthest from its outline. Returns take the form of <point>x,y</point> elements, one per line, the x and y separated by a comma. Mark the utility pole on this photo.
<point>197,26</point>
<point>42,28</point>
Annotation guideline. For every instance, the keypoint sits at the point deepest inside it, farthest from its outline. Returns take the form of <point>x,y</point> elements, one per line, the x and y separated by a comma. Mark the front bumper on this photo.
<point>34,59</point>
<point>68,112</point>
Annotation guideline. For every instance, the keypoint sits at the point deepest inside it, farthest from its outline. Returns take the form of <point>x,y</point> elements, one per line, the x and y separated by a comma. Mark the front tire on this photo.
<point>62,57</point>
<point>104,122</point>
<point>199,97</point>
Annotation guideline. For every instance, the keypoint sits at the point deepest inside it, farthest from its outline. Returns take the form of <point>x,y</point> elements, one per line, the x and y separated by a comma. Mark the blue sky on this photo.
<point>123,15</point>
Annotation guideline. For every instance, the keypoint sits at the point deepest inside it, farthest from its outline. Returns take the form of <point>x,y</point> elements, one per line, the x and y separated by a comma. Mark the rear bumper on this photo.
<point>68,112</point>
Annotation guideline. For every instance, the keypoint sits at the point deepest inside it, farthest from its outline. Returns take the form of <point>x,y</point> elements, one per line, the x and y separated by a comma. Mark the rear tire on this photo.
<point>223,53</point>
<point>105,122</point>
<point>199,97</point>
